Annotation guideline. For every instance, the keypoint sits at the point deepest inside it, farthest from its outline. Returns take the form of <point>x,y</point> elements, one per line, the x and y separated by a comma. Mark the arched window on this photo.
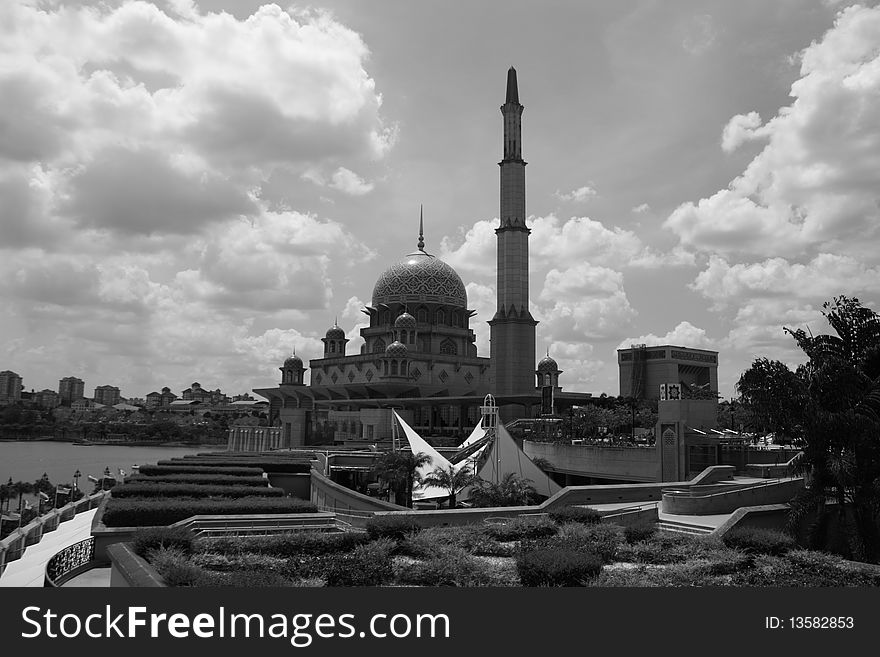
<point>456,319</point>
<point>386,368</point>
<point>547,379</point>
<point>404,368</point>
<point>379,346</point>
<point>393,367</point>
<point>403,337</point>
<point>440,317</point>
<point>448,347</point>
<point>422,315</point>
<point>332,347</point>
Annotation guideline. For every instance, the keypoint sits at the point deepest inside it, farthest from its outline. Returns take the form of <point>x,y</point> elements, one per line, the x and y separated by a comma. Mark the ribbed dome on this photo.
<point>294,361</point>
<point>547,364</point>
<point>396,350</point>
<point>335,333</point>
<point>420,276</point>
<point>405,321</point>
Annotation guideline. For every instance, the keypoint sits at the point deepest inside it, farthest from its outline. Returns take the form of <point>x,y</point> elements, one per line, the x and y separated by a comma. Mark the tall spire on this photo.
<point>421,229</point>
<point>512,90</point>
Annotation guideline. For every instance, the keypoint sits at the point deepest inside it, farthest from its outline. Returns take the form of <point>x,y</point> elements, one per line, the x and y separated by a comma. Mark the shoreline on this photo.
<point>114,443</point>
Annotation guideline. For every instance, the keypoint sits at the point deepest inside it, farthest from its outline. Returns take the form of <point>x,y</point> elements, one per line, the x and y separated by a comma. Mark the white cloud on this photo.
<point>741,128</point>
<point>343,180</point>
<point>822,277</point>
<point>684,334</point>
<point>641,209</point>
<point>578,195</point>
<point>812,188</point>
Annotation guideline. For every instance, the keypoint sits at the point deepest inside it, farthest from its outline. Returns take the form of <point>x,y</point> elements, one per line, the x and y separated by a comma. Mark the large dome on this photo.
<point>420,277</point>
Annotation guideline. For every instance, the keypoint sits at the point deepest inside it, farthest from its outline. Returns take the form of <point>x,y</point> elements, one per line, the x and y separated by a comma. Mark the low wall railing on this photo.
<point>13,546</point>
<point>70,562</point>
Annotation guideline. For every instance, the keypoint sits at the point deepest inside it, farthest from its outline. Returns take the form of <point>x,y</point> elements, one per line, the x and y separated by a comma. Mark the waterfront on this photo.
<point>28,460</point>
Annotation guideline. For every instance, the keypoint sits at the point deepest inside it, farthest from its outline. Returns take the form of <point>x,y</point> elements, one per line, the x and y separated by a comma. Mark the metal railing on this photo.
<point>69,562</point>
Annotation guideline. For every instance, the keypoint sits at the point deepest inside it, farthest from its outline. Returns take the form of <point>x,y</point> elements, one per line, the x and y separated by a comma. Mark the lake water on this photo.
<point>28,460</point>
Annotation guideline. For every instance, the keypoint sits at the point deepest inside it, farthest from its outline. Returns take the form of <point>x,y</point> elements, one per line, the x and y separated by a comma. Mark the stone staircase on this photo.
<point>681,527</point>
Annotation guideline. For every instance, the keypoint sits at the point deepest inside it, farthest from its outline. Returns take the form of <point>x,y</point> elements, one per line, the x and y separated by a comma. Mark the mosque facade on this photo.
<point>419,355</point>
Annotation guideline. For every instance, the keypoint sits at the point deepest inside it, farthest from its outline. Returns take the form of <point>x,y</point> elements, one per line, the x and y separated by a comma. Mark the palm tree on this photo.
<point>451,479</point>
<point>400,469</point>
<point>841,422</point>
<point>512,490</point>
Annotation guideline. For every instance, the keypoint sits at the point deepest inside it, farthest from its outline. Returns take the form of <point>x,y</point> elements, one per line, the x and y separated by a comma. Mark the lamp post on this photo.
<point>105,478</point>
<point>76,476</point>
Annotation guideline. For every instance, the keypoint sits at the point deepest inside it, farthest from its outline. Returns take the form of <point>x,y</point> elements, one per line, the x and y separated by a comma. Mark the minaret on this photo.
<point>513,327</point>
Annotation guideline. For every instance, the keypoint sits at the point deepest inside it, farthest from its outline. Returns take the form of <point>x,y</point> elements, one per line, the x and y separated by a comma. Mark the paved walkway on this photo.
<point>29,570</point>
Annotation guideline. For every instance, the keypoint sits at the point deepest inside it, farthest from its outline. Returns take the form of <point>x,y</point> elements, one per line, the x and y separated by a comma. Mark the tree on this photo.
<point>451,479</point>
<point>512,490</point>
<point>841,420</point>
<point>400,469</point>
<point>773,396</point>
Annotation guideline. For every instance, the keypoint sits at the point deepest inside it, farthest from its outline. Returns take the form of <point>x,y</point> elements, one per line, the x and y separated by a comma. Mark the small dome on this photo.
<point>547,364</point>
<point>335,333</point>
<point>405,321</point>
<point>294,362</point>
<point>396,350</point>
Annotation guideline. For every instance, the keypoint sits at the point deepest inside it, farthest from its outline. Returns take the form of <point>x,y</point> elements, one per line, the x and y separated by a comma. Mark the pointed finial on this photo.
<point>421,228</point>
<point>548,352</point>
<point>512,90</point>
<point>336,321</point>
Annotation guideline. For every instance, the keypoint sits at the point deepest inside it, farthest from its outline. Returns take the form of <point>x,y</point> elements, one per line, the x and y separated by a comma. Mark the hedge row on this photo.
<point>160,489</point>
<point>140,512</point>
<point>151,470</point>
<point>269,465</point>
<point>209,479</point>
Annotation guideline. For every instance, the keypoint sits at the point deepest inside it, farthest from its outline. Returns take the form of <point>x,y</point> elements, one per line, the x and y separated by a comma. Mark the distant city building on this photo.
<point>10,387</point>
<point>644,369</point>
<point>160,399</point>
<point>107,395</point>
<point>135,401</point>
<point>197,393</point>
<point>70,389</point>
<point>83,404</point>
<point>47,399</point>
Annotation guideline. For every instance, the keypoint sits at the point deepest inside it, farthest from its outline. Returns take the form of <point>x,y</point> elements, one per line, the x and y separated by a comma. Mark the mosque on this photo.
<point>419,356</point>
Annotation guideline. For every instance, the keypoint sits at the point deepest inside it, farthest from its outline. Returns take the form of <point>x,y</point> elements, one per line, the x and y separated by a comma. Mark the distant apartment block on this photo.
<point>643,369</point>
<point>70,389</point>
<point>160,399</point>
<point>197,393</point>
<point>10,387</point>
<point>107,395</point>
<point>47,399</point>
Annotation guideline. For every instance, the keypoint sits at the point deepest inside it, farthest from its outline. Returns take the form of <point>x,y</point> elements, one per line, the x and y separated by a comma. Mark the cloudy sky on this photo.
<point>190,189</point>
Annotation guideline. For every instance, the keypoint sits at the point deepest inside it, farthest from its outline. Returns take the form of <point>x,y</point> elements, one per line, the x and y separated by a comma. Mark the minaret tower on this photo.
<point>513,327</point>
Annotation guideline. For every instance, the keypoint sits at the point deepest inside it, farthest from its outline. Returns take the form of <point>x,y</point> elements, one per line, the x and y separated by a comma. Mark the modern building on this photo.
<point>160,399</point>
<point>419,354</point>
<point>10,387</point>
<point>70,389</point>
<point>47,399</point>
<point>107,395</point>
<point>643,370</point>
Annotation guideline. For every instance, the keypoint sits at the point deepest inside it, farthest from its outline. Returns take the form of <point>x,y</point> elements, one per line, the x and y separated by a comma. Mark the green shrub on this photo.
<point>557,567</point>
<point>663,548</point>
<point>395,527</point>
<point>291,544</point>
<point>176,569</point>
<point>241,579</point>
<point>152,470</point>
<point>140,512</point>
<point>759,540</point>
<point>640,532</point>
<point>806,568</point>
<point>205,479</point>
<point>518,529</point>
<point>178,538</point>
<point>162,489</point>
<point>579,514</point>
<point>451,567</point>
<point>674,575</point>
<point>267,464</point>
<point>241,561</point>
<point>366,565</point>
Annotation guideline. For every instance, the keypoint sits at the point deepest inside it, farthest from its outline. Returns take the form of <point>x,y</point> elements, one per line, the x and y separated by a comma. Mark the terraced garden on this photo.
<point>569,550</point>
